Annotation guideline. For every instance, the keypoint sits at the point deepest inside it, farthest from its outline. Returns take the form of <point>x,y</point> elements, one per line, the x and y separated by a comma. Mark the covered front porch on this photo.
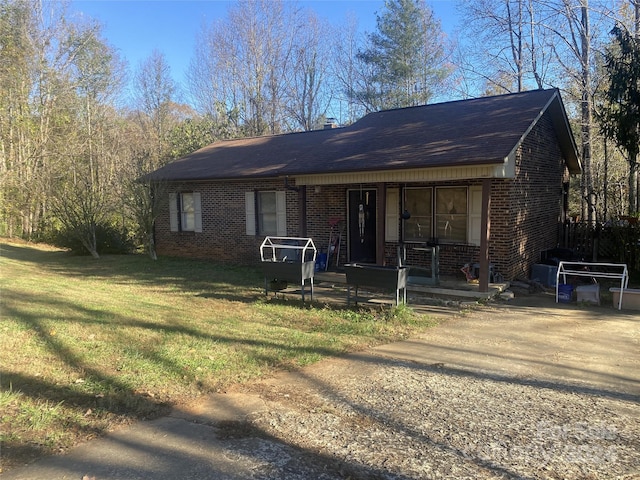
<point>375,223</point>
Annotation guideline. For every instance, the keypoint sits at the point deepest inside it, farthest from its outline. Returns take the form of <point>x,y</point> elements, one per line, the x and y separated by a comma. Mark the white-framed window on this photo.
<point>266,213</point>
<point>418,201</point>
<point>448,214</point>
<point>185,212</point>
<point>451,214</point>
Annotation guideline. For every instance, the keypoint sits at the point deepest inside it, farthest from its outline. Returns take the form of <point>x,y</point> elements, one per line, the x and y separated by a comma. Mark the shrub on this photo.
<point>109,240</point>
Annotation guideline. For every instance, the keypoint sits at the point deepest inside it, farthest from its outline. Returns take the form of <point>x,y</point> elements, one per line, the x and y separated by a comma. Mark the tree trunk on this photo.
<point>633,180</point>
<point>605,190</point>
<point>91,244</point>
<point>151,246</point>
<point>633,174</point>
<point>586,112</point>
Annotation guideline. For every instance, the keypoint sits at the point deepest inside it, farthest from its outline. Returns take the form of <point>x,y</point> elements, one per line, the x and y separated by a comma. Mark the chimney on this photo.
<point>330,123</point>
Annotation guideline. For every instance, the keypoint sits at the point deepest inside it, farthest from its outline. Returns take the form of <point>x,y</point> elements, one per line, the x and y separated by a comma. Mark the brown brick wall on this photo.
<point>526,210</point>
<point>223,236</point>
<point>328,203</point>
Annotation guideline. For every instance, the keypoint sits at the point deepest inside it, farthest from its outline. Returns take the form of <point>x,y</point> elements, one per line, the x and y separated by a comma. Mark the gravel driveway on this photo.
<point>528,390</point>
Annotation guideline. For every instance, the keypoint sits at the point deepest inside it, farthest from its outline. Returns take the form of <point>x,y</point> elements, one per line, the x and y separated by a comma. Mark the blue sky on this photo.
<point>137,27</point>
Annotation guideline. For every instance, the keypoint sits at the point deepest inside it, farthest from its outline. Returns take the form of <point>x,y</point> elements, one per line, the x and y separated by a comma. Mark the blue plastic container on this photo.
<point>565,292</point>
<point>321,262</point>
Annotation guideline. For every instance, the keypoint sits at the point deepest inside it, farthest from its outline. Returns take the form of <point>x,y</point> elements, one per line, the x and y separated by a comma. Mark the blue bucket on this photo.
<point>321,262</point>
<point>565,292</point>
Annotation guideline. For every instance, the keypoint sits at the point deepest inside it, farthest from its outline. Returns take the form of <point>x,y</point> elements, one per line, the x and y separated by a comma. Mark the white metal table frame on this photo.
<point>271,251</point>
<point>581,269</point>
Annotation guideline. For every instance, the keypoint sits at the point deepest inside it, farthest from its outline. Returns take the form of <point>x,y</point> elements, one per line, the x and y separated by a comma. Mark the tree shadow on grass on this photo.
<point>198,277</point>
<point>102,388</point>
<point>113,395</point>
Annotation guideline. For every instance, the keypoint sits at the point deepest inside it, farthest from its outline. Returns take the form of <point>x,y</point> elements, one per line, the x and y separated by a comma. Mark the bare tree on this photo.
<point>32,63</point>
<point>17,149</point>
<point>511,48</point>
<point>307,98</point>
<point>535,43</point>
<point>143,201</point>
<point>154,98</point>
<point>570,22</point>
<point>49,62</point>
<point>349,74</point>
<point>83,193</point>
<point>156,116</point>
<point>243,64</point>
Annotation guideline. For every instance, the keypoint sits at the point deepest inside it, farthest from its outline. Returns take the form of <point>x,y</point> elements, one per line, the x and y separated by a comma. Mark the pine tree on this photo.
<point>622,116</point>
<point>405,57</point>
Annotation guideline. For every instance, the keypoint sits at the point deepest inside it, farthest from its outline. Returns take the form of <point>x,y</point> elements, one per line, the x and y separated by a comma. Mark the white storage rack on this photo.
<point>617,271</point>
<point>288,259</point>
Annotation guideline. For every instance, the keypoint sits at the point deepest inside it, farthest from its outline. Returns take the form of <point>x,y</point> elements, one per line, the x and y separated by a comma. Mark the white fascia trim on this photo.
<point>512,155</point>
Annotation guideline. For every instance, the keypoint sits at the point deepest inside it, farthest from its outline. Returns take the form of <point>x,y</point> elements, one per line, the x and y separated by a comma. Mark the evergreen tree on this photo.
<point>405,57</point>
<point>621,119</point>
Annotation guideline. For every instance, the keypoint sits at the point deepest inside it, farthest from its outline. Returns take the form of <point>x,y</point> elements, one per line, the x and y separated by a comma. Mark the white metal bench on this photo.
<point>617,271</point>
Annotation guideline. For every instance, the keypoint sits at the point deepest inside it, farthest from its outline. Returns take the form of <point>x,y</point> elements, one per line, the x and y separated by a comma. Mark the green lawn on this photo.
<point>87,345</point>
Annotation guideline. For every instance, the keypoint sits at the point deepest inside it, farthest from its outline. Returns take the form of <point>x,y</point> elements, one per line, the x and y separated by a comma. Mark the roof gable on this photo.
<point>481,131</point>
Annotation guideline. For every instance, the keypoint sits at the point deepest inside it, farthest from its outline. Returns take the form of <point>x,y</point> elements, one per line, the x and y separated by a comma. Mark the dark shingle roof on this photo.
<point>458,133</point>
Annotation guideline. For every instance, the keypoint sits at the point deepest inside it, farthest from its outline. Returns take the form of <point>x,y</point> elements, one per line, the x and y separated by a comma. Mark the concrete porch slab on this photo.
<point>447,288</point>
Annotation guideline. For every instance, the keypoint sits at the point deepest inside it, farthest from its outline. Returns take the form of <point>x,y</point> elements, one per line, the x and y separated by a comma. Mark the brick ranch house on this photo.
<point>485,178</point>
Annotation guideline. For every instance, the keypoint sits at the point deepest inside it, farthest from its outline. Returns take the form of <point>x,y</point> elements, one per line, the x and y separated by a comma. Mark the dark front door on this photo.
<point>362,226</point>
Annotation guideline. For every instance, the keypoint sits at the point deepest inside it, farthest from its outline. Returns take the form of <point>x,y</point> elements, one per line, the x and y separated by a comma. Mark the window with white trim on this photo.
<point>266,213</point>
<point>449,214</point>
<point>418,201</point>
<point>185,212</point>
